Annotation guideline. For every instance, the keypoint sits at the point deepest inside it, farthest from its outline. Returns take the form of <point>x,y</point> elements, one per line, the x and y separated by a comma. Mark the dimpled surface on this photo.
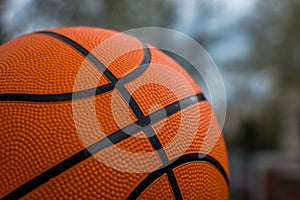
<point>39,64</point>
<point>36,137</point>
<point>200,181</point>
<point>119,59</point>
<point>133,155</point>
<point>48,134</point>
<point>161,84</point>
<point>191,139</point>
<point>160,189</point>
<point>89,180</point>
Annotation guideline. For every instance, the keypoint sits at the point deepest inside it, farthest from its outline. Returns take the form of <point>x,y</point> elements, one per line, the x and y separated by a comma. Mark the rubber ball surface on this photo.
<point>89,113</point>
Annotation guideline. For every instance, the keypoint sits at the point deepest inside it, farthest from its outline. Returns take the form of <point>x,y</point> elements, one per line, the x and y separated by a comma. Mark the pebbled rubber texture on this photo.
<point>37,136</point>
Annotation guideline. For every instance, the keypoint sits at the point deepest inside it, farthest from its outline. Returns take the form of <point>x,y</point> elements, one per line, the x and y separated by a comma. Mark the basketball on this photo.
<point>91,113</point>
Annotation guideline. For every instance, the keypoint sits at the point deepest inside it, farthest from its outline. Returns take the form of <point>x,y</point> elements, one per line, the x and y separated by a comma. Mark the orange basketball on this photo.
<point>88,113</point>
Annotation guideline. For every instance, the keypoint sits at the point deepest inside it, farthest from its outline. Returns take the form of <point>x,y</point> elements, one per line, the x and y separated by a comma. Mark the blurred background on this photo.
<point>255,44</point>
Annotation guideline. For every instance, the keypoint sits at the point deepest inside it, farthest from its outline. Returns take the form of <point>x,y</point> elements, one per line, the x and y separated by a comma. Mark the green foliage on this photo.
<point>274,31</point>
<point>112,14</point>
<point>259,133</point>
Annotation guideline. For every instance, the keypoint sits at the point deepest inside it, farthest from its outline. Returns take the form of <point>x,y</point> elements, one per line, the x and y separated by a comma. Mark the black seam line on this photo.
<point>132,103</point>
<point>68,163</point>
<point>57,97</point>
<point>142,120</point>
<point>140,69</point>
<point>175,107</point>
<point>156,144</point>
<point>101,67</point>
<point>187,158</point>
<point>98,146</point>
<point>174,185</point>
<point>80,94</point>
<point>130,77</point>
